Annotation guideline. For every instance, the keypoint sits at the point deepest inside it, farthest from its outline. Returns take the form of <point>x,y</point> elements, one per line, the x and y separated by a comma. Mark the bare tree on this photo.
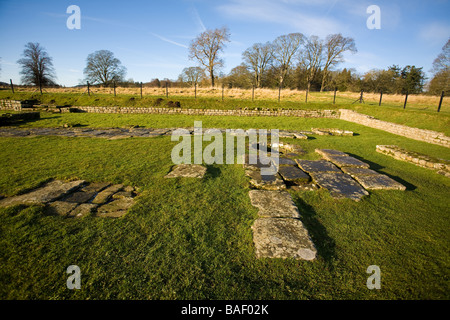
<point>103,68</point>
<point>37,66</point>
<point>192,75</point>
<point>312,57</point>
<point>335,46</point>
<point>257,58</point>
<point>442,62</point>
<point>206,48</point>
<point>284,49</point>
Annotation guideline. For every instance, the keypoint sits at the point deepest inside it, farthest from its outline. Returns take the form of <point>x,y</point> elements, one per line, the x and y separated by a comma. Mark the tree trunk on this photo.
<point>211,72</point>
<point>325,72</point>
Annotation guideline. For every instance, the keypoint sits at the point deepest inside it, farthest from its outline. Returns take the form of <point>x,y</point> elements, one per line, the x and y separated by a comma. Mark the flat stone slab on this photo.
<point>286,162</point>
<point>265,182</point>
<point>311,166</point>
<point>187,171</point>
<point>340,185</point>
<point>106,194</point>
<point>82,210</point>
<point>61,208</point>
<point>347,161</point>
<point>95,187</point>
<point>115,208</point>
<point>52,191</point>
<point>293,174</point>
<point>282,238</point>
<point>379,182</point>
<point>330,152</point>
<point>273,204</point>
<point>355,171</point>
<point>80,196</point>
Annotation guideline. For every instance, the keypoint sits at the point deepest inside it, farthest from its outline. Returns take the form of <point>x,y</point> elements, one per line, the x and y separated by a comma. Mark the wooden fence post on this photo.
<point>361,96</point>
<point>306,97</point>
<point>195,90</point>
<point>223,87</point>
<point>114,86</point>
<point>406,99</point>
<point>253,93</point>
<point>89,93</point>
<point>279,93</point>
<point>12,86</point>
<point>440,101</point>
<point>141,90</point>
<point>334,98</point>
<point>381,97</point>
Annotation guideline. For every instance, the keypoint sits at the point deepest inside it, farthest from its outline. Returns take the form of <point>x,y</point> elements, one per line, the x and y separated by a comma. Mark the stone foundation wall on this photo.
<point>10,105</point>
<point>17,105</point>
<point>429,136</point>
<point>422,160</point>
<point>212,112</point>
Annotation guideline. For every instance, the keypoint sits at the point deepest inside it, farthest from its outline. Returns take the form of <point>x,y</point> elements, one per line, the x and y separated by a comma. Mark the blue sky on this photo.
<point>151,38</point>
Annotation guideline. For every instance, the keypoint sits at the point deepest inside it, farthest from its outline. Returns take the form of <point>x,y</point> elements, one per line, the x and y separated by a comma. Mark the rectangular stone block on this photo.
<point>273,204</point>
<point>282,238</point>
<point>340,185</point>
<point>379,182</point>
<point>105,195</point>
<point>330,152</point>
<point>317,166</point>
<point>293,174</point>
<point>50,192</point>
<point>348,161</point>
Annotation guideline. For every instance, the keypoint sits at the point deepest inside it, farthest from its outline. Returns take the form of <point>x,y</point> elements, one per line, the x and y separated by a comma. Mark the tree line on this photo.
<point>292,61</point>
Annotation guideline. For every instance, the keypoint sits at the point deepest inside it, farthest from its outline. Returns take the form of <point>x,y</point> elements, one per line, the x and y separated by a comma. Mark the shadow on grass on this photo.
<point>324,244</point>
<point>212,172</point>
<point>377,167</point>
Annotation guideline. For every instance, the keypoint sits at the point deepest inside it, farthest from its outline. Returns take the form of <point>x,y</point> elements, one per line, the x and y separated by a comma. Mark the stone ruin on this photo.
<point>78,198</point>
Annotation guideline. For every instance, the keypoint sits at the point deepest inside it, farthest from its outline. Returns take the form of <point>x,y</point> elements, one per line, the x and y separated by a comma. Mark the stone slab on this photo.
<point>273,204</point>
<point>286,162</point>
<point>347,161</point>
<point>282,238</point>
<point>61,208</point>
<point>106,194</point>
<point>80,197</point>
<point>82,210</point>
<point>187,171</point>
<point>317,166</point>
<point>340,185</point>
<point>95,187</point>
<point>115,208</point>
<point>354,171</point>
<point>52,191</point>
<point>265,182</point>
<point>330,152</point>
<point>379,182</point>
<point>293,174</point>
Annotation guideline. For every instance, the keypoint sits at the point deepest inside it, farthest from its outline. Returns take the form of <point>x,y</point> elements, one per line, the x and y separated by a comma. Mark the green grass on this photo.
<point>191,239</point>
<point>422,116</point>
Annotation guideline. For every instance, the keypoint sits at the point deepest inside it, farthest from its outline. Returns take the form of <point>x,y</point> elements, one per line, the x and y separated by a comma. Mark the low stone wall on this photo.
<point>441,165</point>
<point>10,105</point>
<point>429,136</point>
<point>17,105</point>
<point>211,112</point>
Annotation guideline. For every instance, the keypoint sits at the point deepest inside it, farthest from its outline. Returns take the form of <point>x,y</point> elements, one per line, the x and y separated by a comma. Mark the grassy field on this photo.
<point>191,239</point>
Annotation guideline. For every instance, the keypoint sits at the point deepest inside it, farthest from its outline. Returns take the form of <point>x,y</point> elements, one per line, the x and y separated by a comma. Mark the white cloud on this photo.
<point>284,12</point>
<point>435,33</point>
<point>168,40</point>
